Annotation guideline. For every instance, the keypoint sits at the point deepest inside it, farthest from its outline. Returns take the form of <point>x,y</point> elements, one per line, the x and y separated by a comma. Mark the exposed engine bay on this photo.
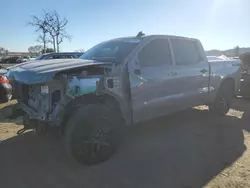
<point>46,102</point>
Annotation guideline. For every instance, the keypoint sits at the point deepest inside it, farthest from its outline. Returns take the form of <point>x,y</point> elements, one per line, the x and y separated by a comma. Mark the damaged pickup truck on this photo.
<point>118,83</point>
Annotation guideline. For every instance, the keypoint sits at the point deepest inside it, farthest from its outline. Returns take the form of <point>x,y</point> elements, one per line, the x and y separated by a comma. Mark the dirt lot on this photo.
<point>188,150</point>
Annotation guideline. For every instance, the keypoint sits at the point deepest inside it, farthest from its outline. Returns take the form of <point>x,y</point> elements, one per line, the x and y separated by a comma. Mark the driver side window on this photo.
<point>156,53</point>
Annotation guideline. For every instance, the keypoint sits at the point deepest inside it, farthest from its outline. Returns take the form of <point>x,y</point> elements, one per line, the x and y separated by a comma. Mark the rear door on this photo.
<point>192,73</point>
<point>151,80</point>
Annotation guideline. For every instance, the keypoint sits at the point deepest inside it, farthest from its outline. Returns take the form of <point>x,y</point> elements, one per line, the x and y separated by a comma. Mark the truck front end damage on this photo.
<point>46,104</point>
<point>86,100</point>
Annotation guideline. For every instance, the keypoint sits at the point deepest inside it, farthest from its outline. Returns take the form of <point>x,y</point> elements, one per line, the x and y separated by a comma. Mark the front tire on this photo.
<point>223,99</point>
<point>92,134</point>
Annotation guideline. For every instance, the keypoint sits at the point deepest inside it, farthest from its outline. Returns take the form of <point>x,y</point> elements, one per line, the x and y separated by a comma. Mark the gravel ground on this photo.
<point>189,149</point>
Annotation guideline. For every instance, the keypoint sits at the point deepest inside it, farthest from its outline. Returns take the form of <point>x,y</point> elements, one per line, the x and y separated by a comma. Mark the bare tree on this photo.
<point>50,21</point>
<point>43,38</point>
<point>57,29</point>
<point>60,38</point>
<point>52,28</point>
<point>41,25</point>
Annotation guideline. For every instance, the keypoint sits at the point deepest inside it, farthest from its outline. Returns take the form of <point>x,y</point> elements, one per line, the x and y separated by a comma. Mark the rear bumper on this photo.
<point>5,92</point>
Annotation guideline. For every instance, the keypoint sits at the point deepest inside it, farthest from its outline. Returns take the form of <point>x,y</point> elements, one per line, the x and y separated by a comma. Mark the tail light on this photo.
<point>3,80</point>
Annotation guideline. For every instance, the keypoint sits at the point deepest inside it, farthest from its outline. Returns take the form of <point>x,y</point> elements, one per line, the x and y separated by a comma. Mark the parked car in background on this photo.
<point>5,87</point>
<point>10,60</point>
<point>60,55</point>
<point>221,57</point>
<point>23,59</point>
<point>119,83</point>
<point>3,70</point>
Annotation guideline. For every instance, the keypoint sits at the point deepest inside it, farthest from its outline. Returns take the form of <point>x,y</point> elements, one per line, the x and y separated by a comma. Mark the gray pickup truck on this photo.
<point>118,83</point>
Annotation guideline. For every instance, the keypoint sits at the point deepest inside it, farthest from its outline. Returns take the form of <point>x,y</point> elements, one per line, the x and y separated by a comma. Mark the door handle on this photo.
<point>172,74</point>
<point>203,71</point>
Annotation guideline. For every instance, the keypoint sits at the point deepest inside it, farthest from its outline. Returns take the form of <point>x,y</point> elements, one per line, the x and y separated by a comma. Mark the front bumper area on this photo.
<point>32,120</point>
<point>34,116</point>
<point>31,113</point>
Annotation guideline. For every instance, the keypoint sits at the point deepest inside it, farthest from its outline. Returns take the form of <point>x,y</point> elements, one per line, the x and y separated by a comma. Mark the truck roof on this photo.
<point>153,36</point>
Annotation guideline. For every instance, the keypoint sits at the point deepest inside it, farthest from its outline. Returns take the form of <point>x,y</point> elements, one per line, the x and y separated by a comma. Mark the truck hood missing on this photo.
<point>34,72</point>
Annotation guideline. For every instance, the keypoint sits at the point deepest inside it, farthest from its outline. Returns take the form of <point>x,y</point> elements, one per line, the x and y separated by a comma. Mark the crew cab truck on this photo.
<point>118,83</point>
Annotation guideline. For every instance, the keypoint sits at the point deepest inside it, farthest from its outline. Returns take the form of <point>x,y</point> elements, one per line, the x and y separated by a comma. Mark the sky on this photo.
<point>219,24</point>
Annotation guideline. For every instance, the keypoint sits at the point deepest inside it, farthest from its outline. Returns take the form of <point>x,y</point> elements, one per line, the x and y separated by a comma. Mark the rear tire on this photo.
<point>92,134</point>
<point>223,99</point>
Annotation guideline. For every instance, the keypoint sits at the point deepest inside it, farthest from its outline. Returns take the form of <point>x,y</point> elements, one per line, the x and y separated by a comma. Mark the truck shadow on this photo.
<point>186,149</point>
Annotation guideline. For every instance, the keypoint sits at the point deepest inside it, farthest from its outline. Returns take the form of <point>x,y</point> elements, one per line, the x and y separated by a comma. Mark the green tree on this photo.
<point>3,52</point>
<point>40,26</point>
<point>35,50</point>
<point>236,51</point>
<point>48,50</point>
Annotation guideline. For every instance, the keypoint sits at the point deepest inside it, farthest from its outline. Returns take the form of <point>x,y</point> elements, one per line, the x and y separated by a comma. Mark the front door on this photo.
<point>151,80</point>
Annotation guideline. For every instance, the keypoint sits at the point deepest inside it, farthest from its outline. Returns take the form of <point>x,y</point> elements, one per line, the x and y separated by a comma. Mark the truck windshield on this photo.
<point>111,51</point>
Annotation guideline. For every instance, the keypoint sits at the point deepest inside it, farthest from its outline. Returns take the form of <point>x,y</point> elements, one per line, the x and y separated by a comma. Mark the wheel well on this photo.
<point>229,80</point>
<point>73,105</point>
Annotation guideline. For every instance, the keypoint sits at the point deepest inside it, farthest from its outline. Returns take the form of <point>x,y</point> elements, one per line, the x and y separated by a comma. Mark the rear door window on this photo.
<point>65,57</point>
<point>62,57</point>
<point>186,52</point>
